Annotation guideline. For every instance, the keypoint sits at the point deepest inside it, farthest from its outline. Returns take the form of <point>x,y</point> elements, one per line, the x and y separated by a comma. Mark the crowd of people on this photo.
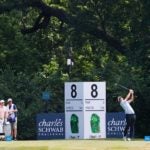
<point>8,116</point>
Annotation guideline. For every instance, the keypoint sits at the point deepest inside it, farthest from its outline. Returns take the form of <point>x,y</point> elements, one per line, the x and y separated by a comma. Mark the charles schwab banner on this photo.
<point>50,126</point>
<point>115,124</point>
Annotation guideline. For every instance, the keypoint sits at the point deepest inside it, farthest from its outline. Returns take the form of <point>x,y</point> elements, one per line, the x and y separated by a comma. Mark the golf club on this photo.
<point>116,84</point>
<point>121,86</point>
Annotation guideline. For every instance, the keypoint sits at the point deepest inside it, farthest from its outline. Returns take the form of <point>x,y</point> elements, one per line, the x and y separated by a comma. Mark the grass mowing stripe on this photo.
<point>108,144</point>
<point>25,148</point>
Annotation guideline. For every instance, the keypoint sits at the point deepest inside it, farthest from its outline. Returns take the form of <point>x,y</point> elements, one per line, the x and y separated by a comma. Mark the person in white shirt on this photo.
<point>12,117</point>
<point>3,116</point>
<point>130,114</point>
<point>3,110</point>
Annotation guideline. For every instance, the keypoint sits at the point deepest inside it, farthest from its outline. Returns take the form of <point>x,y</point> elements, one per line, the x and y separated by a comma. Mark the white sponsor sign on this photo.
<point>85,110</point>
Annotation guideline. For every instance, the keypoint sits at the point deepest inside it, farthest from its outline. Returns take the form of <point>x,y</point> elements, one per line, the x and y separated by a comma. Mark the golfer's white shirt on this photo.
<point>127,107</point>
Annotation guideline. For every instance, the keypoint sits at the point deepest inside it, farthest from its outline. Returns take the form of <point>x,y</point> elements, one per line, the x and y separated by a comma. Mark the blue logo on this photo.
<point>46,96</point>
<point>147,138</point>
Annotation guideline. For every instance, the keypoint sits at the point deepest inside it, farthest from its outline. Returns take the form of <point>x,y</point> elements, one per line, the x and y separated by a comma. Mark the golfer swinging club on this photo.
<point>130,114</point>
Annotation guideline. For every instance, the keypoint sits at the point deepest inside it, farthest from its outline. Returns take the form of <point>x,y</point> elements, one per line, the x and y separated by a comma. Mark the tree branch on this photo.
<point>40,23</point>
<point>48,11</point>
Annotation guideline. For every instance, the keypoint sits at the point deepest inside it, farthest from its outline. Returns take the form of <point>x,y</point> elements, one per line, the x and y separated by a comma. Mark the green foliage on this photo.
<point>33,63</point>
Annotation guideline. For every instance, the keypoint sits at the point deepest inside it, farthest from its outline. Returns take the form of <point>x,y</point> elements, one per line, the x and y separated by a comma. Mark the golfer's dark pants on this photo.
<point>130,119</point>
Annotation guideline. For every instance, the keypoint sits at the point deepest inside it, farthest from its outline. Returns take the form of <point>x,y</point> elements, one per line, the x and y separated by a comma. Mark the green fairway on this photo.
<point>75,145</point>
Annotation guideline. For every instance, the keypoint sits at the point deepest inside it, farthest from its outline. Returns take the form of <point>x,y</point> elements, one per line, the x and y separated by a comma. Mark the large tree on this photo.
<point>103,19</point>
<point>110,40</point>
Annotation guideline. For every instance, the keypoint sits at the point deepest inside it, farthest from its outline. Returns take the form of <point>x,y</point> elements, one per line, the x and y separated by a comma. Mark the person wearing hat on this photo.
<point>12,117</point>
<point>3,116</point>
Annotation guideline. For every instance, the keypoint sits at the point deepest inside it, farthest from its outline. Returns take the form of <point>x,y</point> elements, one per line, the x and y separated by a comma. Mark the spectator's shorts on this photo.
<point>14,124</point>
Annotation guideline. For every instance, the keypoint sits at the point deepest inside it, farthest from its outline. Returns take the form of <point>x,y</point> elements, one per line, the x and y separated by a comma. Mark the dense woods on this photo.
<point>108,40</point>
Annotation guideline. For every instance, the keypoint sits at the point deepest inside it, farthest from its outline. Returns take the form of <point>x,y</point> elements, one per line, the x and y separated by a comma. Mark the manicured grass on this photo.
<point>109,144</point>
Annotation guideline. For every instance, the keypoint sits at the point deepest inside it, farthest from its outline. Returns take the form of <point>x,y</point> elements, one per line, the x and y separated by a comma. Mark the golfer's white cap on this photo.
<point>9,100</point>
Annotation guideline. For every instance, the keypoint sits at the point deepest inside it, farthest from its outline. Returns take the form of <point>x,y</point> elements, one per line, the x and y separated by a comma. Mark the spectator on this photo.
<point>2,118</point>
<point>12,117</point>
